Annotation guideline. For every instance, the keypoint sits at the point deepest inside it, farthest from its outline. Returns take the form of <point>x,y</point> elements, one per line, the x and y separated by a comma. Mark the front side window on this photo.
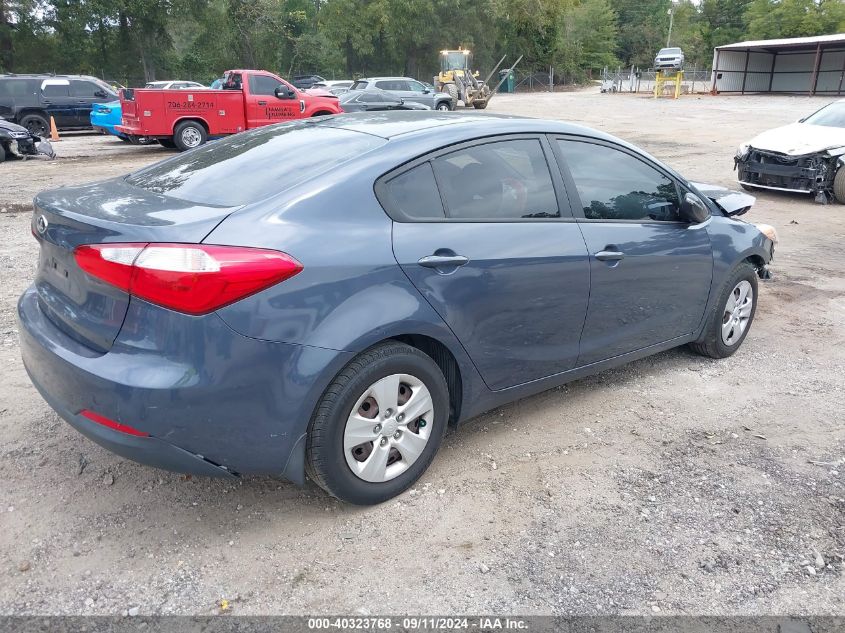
<point>84,88</point>
<point>416,86</point>
<point>614,185</point>
<point>502,180</point>
<point>263,85</point>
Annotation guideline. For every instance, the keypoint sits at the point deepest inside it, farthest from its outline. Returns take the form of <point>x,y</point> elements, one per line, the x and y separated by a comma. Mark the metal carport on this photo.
<point>799,65</point>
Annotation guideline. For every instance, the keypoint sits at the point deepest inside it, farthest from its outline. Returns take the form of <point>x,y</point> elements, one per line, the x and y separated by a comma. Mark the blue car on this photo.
<point>104,116</point>
<point>222,313</point>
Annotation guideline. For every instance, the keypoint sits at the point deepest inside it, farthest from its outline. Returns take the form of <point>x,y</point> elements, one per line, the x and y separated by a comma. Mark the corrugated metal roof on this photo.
<point>792,42</point>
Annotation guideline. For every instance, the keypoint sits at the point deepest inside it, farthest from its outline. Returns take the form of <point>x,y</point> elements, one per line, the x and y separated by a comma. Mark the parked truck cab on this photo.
<point>248,99</point>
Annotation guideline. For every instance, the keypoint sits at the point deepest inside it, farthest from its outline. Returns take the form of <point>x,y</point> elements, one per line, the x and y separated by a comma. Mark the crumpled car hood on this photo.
<point>11,127</point>
<point>319,92</point>
<point>731,202</point>
<point>797,139</point>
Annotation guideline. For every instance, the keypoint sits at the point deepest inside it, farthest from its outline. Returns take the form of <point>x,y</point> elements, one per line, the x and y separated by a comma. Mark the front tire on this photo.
<point>730,320</point>
<point>443,106</point>
<point>188,135</point>
<point>36,124</point>
<point>839,185</point>
<point>378,425</point>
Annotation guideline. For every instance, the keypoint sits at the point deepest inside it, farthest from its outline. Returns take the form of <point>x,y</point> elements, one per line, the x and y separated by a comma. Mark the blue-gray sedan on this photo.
<point>327,296</point>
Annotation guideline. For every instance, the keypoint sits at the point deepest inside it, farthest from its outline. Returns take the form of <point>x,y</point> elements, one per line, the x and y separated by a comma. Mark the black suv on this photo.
<point>30,100</point>
<point>304,82</point>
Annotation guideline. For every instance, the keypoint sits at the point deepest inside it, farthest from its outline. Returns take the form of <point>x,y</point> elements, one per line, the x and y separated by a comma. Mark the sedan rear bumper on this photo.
<point>150,451</point>
<point>213,402</point>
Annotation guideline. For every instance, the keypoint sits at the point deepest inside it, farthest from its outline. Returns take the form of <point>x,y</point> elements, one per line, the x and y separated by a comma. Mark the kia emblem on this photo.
<point>41,224</point>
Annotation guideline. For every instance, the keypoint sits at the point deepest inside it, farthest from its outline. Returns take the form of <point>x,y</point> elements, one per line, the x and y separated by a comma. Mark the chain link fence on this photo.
<point>636,81</point>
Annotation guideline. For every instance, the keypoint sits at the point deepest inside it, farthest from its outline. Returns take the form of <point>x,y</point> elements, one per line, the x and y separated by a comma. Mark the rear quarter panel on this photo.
<point>351,293</point>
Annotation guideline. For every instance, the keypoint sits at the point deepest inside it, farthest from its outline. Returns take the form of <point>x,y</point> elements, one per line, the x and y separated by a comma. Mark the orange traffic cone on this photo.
<point>54,133</point>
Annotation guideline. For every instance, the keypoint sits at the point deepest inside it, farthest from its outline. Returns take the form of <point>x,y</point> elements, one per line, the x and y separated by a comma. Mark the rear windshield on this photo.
<point>254,165</point>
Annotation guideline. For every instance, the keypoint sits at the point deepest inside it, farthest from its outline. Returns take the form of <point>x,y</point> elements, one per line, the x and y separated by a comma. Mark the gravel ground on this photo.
<point>674,485</point>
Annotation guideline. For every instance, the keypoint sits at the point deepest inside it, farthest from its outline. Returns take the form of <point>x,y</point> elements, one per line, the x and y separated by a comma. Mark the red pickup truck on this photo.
<point>187,118</point>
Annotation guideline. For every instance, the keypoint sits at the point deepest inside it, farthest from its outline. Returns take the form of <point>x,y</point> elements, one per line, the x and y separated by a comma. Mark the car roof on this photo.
<point>387,79</point>
<point>459,126</point>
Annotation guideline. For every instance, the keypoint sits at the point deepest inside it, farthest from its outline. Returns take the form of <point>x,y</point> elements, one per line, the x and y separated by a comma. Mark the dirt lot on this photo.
<point>673,485</point>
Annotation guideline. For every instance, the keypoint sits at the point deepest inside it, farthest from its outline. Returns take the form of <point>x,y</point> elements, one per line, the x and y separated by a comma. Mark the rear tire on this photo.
<point>839,185</point>
<point>730,320</point>
<point>188,135</point>
<point>36,124</point>
<point>339,435</point>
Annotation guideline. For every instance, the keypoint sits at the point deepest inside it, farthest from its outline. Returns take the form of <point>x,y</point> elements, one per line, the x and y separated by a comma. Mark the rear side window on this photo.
<point>503,180</point>
<point>614,185</point>
<point>17,87</point>
<point>414,194</point>
<point>254,165</point>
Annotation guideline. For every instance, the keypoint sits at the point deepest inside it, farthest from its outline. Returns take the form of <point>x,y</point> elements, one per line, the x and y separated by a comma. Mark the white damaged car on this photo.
<point>807,156</point>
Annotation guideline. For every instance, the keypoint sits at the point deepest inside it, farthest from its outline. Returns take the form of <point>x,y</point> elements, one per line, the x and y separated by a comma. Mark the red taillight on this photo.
<point>117,426</point>
<point>190,278</point>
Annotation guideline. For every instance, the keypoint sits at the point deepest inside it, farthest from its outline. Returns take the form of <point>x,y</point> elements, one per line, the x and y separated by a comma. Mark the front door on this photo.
<point>490,248</point>
<point>264,107</point>
<point>58,103</point>
<point>650,272</point>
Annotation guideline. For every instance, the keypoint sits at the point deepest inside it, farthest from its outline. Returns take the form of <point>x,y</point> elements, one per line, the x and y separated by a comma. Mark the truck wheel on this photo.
<point>167,142</point>
<point>36,124</point>
<point>188,135</point>
<point>452,90</point>
<point>839,185</point>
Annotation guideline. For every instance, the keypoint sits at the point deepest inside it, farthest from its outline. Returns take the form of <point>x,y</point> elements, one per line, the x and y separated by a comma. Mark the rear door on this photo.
<point>263,106</point>
<point>651,272</point>
<point>484,232</point>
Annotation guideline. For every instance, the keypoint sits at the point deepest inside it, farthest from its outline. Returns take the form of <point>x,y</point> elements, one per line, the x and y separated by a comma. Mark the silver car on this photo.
<point>669,59</point>
<point>408,89</point>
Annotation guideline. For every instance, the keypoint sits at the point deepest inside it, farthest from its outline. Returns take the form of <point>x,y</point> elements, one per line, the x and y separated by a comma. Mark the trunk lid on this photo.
<point>87,309</point>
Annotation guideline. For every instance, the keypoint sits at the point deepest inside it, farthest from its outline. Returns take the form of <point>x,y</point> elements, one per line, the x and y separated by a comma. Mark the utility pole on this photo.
<point>671,19</point>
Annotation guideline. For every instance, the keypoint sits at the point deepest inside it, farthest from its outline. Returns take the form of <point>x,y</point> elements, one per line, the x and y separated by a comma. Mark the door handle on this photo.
<point>610,256</point>
<point>262,103</point>
<point>443,261</point>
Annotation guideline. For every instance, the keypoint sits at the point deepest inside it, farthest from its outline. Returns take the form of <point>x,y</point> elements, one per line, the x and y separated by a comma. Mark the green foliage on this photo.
<point>132,41</point>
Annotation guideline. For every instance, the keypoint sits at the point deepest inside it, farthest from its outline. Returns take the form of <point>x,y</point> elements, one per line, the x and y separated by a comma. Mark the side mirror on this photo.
<point>426,91</point>
<point>283,92</point>
<point>693,210</point>
<point>101,94</point>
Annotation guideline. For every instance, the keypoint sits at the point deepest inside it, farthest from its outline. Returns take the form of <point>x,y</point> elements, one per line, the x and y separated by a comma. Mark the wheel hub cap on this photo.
<point>737,313</point>
<point>388,428</point>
